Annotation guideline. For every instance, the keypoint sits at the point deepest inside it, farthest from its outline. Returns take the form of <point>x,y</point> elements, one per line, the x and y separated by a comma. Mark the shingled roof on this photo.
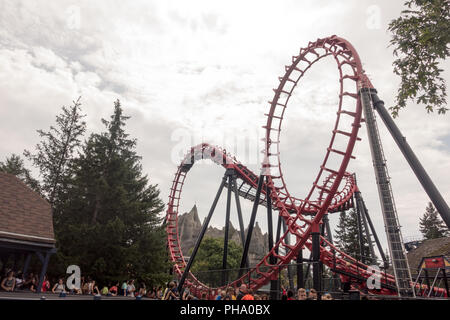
<point>24,215</point>
<point>429,248</point>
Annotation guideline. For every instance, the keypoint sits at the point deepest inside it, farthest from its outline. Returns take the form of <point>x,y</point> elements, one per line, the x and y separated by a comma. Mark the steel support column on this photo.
<point>239,212</point>
<point>200,236</point>
<point>272,260</point>
<point>416,166</point>
<point>375,237</point>
<point>300,275</point>
<point>392,225</point>
<point>446,282</point>
<point>251,224</point>
<point>289,266</point>
<point>315,235</point>
<point>45,260</point>
<point>362,256</point>
<point>230,174</point>
<point>26,264</point>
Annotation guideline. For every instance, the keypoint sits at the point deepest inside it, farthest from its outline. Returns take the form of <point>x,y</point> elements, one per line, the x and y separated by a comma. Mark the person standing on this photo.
<point>59,287</point>
<point>301,294</point>
<point>242,292</point>
<point>249,295</point>
<point>124,289</point>
<point>142,290</point>
<point>114,290</point>
<point>45,284</point>
<point>9,283</point>
<point>131,288</point>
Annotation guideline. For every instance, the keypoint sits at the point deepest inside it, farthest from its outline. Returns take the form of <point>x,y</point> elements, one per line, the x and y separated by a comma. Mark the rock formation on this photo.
<point>189,227</point>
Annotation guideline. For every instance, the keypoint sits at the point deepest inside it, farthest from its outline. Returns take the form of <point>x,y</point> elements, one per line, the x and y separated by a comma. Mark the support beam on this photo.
<point>416,166</point>
<point>200,236</point>
<point>251,224</point>
<point>427,278</point>
<point>375,237</point>
<point>269,220</point>
<point>315,235</point>
<point>272,260</point>
<point>368,236</point>
<point>277,238</point>
<point>329,234</point>
<point>26,264</point>
<point>230,174</point>
<point>362,257</point>
<point>241,221</point>
<point>300,275</point>
<point>289,266</point>
<point>446,282</point>
<point>392,225</point>
<point>308,268</point>
<point>329,237</point>
<point>46,258</point>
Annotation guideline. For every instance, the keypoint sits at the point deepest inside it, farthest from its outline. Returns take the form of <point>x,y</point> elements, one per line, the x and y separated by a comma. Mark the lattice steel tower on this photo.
<point>394,236</point>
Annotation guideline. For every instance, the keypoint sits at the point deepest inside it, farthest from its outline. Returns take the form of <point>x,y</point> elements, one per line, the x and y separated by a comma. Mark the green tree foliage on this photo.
<point>109,223</point>
<point>431,225</point>
<point>347,236</point>
<point>209,260</point>
<point>56,150</point>
<point>341,231</point>
<point>14,165</point>
<point>421,37</point>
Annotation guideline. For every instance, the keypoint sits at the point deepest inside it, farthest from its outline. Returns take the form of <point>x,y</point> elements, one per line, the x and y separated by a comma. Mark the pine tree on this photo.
<point>431,225</point>
<point>56,150</point>
<point>14,165</point>
<point>341,231</point>
<point>208,262</point>
<point>347,236</point>
<point>111,227</point>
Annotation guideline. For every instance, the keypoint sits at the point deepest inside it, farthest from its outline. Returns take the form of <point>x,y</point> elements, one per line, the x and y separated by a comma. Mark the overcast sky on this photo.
<point>193,71</point>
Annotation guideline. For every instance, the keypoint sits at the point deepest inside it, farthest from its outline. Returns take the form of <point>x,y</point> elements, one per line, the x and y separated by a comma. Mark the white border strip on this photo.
<point>25,235</point>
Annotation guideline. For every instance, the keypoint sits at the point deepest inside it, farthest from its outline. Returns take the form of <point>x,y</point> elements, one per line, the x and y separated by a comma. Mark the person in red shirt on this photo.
<point>249,295</point>
<point>45,285</point>
<point>113,291</point>
<point>290,295</point>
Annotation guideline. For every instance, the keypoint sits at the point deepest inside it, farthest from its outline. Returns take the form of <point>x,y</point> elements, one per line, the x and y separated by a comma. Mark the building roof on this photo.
<point>429,248</point>
<point>25,217</point>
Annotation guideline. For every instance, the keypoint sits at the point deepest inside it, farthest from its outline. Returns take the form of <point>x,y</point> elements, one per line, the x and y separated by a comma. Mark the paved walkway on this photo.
<point>26,295</point>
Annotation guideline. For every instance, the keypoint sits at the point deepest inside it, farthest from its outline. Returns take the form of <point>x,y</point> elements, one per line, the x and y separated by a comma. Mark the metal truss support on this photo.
<point>391,222</point>
<point>200,236</point>
<point>251,224</point>
<point>416,166</point>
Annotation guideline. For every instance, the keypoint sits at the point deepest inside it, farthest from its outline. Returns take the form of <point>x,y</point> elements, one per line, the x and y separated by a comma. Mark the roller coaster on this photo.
<point>333,190</point>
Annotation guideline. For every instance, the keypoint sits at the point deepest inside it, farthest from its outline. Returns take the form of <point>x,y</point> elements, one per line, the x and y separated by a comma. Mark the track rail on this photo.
<point>302,216</point>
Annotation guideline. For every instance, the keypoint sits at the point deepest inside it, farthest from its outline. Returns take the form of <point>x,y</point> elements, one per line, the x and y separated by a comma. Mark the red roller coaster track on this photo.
<point>302,216</point>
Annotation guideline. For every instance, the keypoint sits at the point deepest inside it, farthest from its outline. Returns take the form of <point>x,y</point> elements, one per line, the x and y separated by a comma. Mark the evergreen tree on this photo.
<point>14,165</point>
<point>347,236</point>
<point>341,231</point>
<point>431,225</point>
<point>56,151</point>
<point>110,225</point>
<point>208,262</point>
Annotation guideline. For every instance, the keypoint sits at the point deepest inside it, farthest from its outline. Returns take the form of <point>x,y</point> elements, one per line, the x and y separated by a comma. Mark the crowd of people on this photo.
<point>13,282</point>
<point>241,293</point>
<point>88,286</point>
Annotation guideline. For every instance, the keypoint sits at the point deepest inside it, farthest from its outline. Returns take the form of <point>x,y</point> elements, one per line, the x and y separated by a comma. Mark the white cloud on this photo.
<point>208,67</point>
